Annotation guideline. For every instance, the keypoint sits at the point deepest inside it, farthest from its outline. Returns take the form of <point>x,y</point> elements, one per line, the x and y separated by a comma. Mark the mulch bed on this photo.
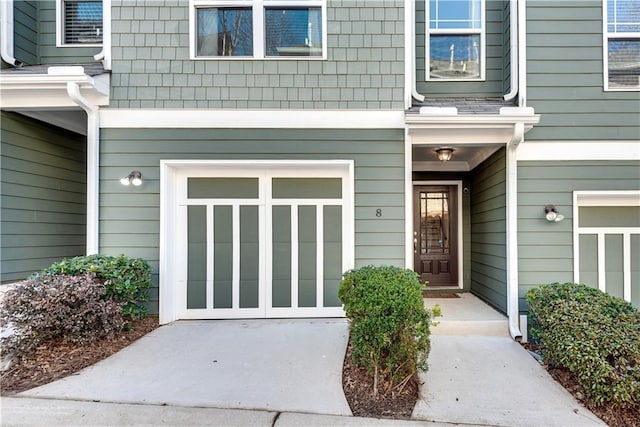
<point>614,417</point>
<point>55,360</point>
<point>358,390</point>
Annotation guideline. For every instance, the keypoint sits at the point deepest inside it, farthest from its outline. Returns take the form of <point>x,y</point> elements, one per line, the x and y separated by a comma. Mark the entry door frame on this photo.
<point>172,262</point>
<point>459,224</point>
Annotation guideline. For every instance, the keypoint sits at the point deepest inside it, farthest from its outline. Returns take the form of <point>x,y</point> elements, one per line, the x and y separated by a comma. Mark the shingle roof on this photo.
<point>465,106</point>
<point>92,69</point>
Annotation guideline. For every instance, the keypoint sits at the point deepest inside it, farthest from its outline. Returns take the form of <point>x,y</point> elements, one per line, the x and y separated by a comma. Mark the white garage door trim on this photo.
<point>173,239</point>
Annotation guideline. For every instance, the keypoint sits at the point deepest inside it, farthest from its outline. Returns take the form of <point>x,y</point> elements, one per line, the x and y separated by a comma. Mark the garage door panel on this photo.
<point>332,256</point>
<point>281,257</point>
<point>196,257</point>
<point>307,256</point>
<point>222,257</point>
<point>249,257</point>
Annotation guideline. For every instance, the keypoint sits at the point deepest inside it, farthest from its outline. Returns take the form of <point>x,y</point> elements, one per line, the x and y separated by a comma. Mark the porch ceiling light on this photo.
<point>444,153</point>
<point>552,214</point>
<point>135,178</point>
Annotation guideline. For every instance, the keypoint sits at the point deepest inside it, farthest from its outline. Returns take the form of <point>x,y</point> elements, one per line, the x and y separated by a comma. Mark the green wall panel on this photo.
<point>307,256</point>
<point>541,241</point>
<point>488,231</point>
<point>249,256</point>
<point>196,257</point>
<point>222,257</point>
<point>132,213</point>
<point>43,198</point>
<point>281,257</point>
<point>565,65</point>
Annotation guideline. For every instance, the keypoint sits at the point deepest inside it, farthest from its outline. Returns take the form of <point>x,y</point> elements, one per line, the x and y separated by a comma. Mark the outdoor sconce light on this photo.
<point>444,153</point>
<point>552,214</point>
<point>135,178</point>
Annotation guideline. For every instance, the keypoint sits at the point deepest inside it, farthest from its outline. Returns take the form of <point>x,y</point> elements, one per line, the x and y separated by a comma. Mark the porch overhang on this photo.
<point>46,88</point>
<point>443,126</point>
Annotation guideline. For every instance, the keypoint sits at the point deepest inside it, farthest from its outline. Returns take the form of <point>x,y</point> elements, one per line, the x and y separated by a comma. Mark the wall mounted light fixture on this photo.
<point>445,153</point>
<point>552,214</point>
<point>134,177</point>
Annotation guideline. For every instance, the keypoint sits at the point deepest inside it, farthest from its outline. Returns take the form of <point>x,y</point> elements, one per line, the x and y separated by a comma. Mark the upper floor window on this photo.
<point>622,45</point>
<point>257,28</point>
<point>79,22</point>
<point>455,40</point>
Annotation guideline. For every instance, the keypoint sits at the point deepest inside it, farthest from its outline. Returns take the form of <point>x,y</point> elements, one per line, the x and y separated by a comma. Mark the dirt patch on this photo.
<point>614,417</point>
<point>55,360</point>
<point>395,403</point>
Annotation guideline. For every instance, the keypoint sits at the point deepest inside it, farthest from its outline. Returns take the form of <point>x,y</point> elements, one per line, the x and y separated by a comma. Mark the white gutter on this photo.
<point>6,33</point>
<point>513,50</point>
<point>93,163</point>
<point>410,54</point>
<point>512,231</point>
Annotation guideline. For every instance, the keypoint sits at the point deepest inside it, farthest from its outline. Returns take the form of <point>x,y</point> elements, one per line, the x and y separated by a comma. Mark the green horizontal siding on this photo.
<point>545,249</point>
<point>130,216</point>
<point>497,67</point>
<point>565,65</point>
<point>488,231</point>
<point>42,173</point>
<point>47,51</point>
<point>25,31</point>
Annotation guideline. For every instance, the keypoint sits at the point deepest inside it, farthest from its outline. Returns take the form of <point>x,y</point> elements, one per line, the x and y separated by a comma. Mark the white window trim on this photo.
<point>258,7</point>
<point>482,31</point>
<point>604,198</point>
<point>606,35</point>
<point>60,27</point>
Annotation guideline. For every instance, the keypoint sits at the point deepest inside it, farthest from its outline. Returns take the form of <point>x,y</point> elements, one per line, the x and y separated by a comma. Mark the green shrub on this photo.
<point>389,324</point>
<point>594,335</point>
<point>125,279</point>
<point>70,308</point>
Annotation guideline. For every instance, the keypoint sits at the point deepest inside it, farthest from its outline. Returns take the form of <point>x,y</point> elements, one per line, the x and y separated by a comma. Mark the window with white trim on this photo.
<point>258,29</point>
<point>455,45</point>
<point>621,44</point>
<point>80,22</point>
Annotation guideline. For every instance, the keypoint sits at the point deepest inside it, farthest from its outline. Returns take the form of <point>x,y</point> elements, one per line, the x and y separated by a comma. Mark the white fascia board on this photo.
<point>579,150</point>
<point>50,90</point>
<point>252,119</point>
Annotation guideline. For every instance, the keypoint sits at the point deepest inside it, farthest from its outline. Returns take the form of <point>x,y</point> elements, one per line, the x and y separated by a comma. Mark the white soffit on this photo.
<point>50,90</point>
<point>449,129</point>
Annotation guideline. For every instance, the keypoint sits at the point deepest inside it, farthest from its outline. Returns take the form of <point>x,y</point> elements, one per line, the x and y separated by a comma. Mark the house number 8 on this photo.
<point>378,213</point>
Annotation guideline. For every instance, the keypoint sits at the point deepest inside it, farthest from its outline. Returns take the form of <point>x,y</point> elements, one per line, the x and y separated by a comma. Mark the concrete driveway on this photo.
<point>276,365</point>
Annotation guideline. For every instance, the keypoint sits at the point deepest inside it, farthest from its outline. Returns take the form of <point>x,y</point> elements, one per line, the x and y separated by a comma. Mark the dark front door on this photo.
<point>435,234</point>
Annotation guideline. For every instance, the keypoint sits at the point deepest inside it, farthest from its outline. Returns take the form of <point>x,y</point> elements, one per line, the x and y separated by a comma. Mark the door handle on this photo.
<point>415,245</point>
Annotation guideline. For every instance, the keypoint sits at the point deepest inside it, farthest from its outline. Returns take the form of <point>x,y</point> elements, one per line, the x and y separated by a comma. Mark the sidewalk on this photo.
<point>56,413</point>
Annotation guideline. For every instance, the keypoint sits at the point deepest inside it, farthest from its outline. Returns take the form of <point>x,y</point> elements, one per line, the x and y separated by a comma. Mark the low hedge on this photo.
<point>57,307</point>
<point>594,335</point>
<point>125,279</point>
<point>389,324</point>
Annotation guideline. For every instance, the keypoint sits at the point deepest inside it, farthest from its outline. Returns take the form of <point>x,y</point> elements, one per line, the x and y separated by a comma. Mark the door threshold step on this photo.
<point>487,328</point>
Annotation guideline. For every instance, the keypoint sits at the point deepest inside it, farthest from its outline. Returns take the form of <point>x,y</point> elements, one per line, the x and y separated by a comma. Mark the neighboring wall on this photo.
<point>488,231</point>
<point>152,69</point>
<point>42,173</point>
<point>49,53</point>
<point>130,216</point>
<point>545,248</point>
<point>496,82</point>
<point>25,38</point>
<point>565,76</point>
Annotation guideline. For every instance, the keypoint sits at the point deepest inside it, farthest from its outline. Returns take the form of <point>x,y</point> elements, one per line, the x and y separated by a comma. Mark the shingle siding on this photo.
<point>364,67</point>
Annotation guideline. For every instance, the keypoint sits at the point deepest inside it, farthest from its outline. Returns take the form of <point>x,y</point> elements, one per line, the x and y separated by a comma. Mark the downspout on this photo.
<point>105,54</point>
<point>93,163</point>
<point>512,231</point>
<point>410,52</point>
<point>522,53</point>
<point>6,33</point>
<point>513,50</point>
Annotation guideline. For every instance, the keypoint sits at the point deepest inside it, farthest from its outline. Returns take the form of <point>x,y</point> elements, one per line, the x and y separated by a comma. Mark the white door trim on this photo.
<point>458,184</point>
<point>173,192</point>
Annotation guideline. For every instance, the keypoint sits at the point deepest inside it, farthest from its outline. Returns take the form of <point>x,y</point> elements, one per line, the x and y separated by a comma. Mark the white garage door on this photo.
<point>255,241</point>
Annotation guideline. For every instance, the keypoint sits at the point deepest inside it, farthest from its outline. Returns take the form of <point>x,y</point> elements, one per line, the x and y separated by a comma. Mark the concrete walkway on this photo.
<point>277,365</point>
<point>288,373</point>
